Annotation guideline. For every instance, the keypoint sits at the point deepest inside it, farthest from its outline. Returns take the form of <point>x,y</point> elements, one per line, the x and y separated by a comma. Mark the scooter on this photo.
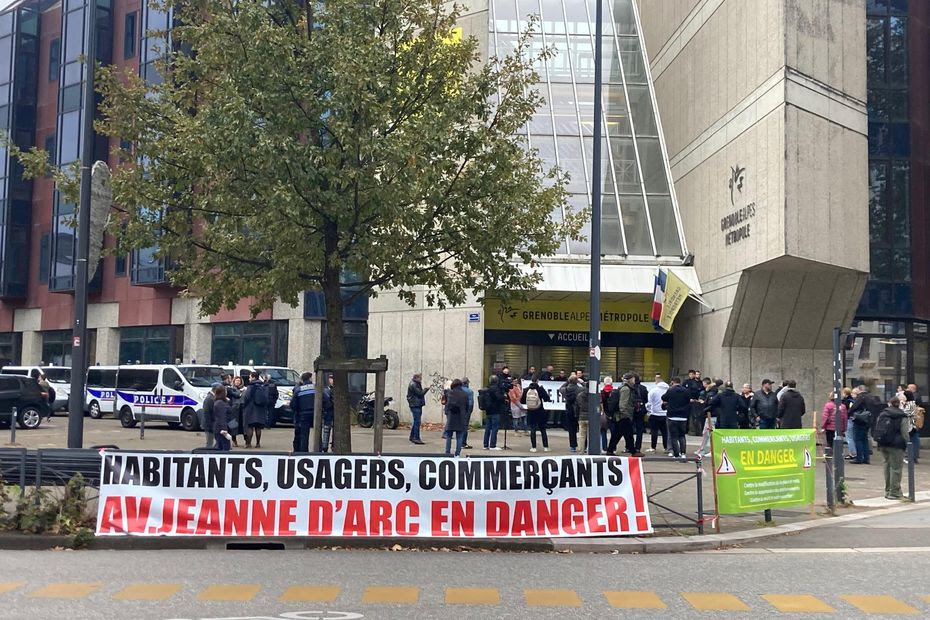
<point>366,412</point>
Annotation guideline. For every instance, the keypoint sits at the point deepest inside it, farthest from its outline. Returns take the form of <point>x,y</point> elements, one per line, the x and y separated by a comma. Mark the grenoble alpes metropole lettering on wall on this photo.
<point>171,494</point>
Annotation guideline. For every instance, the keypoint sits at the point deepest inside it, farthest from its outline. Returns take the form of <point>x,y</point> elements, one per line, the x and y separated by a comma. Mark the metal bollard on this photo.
<point>829,464</point>
<point>911,455</point>
<point>142,423</point>
<point>839,465</point>
<point>13,428</point>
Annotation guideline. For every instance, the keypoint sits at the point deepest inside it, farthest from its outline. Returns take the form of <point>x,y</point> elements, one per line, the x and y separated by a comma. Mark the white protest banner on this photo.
<point>173,494</point>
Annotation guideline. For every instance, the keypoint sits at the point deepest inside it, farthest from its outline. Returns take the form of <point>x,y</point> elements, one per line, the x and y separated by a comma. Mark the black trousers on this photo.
<point>625,428</point>
<point>677,430</point>
<point>657,426</point>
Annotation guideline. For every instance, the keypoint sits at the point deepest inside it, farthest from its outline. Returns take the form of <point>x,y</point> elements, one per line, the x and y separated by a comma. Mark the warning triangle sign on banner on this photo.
<point>726,466</point>
<point>807,459</point>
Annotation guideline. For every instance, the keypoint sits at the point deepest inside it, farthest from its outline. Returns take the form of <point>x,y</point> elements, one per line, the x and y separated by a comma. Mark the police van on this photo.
<point>59,377</point>
<point>100,393</point>
<point>285,379</point>
<point>169,392</point>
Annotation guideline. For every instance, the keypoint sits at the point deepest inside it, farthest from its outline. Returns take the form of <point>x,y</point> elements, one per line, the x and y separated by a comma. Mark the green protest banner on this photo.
<point>756,470</point>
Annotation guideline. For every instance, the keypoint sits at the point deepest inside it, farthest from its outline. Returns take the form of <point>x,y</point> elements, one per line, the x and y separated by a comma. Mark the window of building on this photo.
<point>129,36</point>
<point>45,245</point>
<point>56,348</point>
<point>54,59</point>
<point>253,342</point>
<point>150,345</point>
<point>11,348</point>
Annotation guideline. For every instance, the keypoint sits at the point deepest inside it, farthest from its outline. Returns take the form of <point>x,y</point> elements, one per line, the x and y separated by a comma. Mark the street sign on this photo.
<point>76,341</point>
<point>474,317</point>
<point>758,470</point>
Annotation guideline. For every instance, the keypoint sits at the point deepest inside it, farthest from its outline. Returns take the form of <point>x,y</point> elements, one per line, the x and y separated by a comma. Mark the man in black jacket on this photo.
<point>677,402</point>
<point>416,400</point>
<point>764,406</point>
<point>694,387</point>
<point>864,413</point>
<point>725,407</point>
<point>791,406</point>
<point>302,402</point>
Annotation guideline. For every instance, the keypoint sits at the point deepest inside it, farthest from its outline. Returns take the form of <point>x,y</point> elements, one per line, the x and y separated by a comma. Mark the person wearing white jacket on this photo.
<point>657,415</point>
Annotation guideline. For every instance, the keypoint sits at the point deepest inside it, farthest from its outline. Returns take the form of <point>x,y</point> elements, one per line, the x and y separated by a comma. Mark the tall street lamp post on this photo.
<point>594,339</point>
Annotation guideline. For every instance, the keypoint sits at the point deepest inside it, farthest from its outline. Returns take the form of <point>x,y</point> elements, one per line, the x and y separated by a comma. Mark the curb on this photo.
<point>679,544</point>
<point>714,541</point>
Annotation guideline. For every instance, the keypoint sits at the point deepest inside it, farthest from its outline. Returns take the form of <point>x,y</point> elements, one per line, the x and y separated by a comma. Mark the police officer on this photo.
<point>302,406</point>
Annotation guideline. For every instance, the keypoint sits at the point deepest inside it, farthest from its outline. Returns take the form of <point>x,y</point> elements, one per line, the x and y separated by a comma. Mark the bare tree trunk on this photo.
<point>335,340</point>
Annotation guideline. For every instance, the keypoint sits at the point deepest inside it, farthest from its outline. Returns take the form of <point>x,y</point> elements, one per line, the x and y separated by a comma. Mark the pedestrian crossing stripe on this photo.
<point>726,466</point>
<point>807,459</point>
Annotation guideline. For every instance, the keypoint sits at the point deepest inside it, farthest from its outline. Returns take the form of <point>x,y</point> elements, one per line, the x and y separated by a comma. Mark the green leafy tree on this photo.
<point>346,146</point>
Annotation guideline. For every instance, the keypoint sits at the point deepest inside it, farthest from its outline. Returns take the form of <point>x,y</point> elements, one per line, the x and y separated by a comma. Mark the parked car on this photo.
<point>24,394</point>
<point>167,392</point>
<point>58,376</point>
<point>100,392</point>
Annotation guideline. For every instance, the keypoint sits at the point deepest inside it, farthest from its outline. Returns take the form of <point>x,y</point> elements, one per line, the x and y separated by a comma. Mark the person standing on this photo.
<point>302,402</point>
<point>416,400</point>
<point>328,415</point>
<point>640,398</point>
<point>861,415</point>
<point>466,387</point>
<point>456,416</point>
<point>534,398</point>
<point>746,420</point>
<point>695,389</point>
<point>726,406</point>
<point>658,422</point>
<point>917,419</point>
<point>255,410</point>
<point>849,397</point>
<point>764,406</point>
<point>547,374</point>
<point>221,413</point>
<point>530,373</point>
<point>831,424</point>
<point>234,390</point>
<point>891,434</point>
<point>620,416</point>
<point>791,406</point>
<point>207,421</point>
<point>495,402</point>
<point>569,392</point>
<point>517,412</point>
<point>677,400</point>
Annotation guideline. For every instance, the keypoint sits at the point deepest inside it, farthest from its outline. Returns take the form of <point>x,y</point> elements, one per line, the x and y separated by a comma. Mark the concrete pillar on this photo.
<point>32,347</point>
<point>198,341</point>
<point>304,340</point>
<point>107,346</point>
<point>28,321</point>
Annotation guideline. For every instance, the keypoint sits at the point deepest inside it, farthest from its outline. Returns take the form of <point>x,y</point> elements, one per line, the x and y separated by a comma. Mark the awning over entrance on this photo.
<point>618,282</point>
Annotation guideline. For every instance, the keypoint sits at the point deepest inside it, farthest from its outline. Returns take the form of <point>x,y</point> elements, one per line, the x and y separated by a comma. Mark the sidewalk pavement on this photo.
<point>865,483</point>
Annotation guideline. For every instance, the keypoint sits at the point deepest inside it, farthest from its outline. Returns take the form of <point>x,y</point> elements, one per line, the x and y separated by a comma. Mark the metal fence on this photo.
<point>54,467</point>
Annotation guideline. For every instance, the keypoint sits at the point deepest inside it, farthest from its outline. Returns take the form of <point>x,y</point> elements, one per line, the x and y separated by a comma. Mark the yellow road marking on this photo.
<point>797,603</point>
<point>229,592</point>
<point>714,601</point>
<point>7,586</point>
<point>66,590</point>
<point>552,598</point>
<point>879,604</point>
<point>634,600</point>
<point>391,595</point>
<point>148,592</point>
<point>473,596</point>
<point>311,594</point>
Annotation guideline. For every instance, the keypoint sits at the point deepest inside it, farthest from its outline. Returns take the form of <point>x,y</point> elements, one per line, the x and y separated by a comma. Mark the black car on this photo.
<point>24,394</point>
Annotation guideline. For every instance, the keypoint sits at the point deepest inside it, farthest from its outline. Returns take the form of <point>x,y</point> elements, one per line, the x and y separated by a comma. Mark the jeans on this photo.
<point>415,427</point>
<point>538,420</point>
<point>851,439</point>
<point>915,439</point>
<point>459,440</point>
<point>639,428</point>
<point>222,443</point>
<point>658,425</point>
<point>705,439</point>
<point>211,439</point>
<point>894,463</point>
<point>861,436</point>
<point>491,425</point>
<point>303,422</point>
<point>678,430</point>
<point>766,424</point>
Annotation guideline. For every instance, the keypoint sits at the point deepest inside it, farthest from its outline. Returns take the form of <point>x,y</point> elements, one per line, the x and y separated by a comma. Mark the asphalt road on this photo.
<point>786,577</point>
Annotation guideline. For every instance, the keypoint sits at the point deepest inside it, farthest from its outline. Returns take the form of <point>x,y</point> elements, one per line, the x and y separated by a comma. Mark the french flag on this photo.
<point>658,299</point>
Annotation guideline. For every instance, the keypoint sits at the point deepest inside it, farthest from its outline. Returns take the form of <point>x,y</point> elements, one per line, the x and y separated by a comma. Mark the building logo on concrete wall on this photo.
<point>735,224</point>
<point>737,176</point>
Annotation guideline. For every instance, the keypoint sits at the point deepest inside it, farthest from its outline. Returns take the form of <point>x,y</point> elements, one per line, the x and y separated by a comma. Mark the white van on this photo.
<point>169,392</point>
<point>100,392</point>
<point>58,376</point>
<point>285,379</point>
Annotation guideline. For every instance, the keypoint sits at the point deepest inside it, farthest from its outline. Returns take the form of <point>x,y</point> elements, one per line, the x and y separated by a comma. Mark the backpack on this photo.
<point>919,417</point>
<point>51,400</point>
<point>532,399</point>
<point>260,397</point>
<point>484,399</point>
<point>887,433</point>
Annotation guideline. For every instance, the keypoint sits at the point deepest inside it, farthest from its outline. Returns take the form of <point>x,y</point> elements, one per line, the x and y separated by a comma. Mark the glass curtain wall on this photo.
<point>640,217</point>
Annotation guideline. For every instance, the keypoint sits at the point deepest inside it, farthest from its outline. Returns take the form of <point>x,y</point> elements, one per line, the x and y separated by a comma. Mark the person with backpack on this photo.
<point>619,410</point>
<point>255,403</point>
<point>569,393</point>
<point>534,398</point>
<point>891,434</point>
<point>493,402</point>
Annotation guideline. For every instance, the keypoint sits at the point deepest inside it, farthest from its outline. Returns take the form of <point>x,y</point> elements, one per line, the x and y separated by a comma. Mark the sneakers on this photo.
<point>466,447</point>
<point>651,450</point>
<point>532,449</point>
<point>672,454</point>
<point>496,449</point>
<point>545,449</point>
<point>486,448</point>
<point>573,450</point>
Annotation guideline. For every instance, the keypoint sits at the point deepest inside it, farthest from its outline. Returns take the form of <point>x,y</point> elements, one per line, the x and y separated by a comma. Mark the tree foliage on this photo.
<point>348,145</point>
